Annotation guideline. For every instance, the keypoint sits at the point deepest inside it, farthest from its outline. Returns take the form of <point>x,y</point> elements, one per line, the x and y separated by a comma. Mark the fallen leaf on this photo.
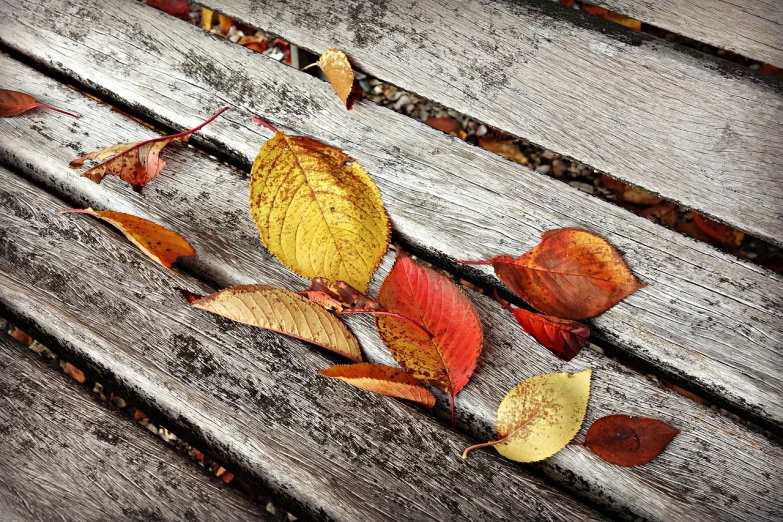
<point>382,379</point>
<point>172,7</point>
<point>22,337</point>
<point>629,193</point>
<point>540,416</point>
<point>447,356</point>
<point>207,15</point>
<point>634,24</point>
<point>225,23</point>
<point>162,245</point>
<point>629,441</point>
<point>138,162</point>
<point>594,10</point>
<point>256,43</point>
<point>690,395</point>
<point>447,125</point>
<point>138,415</point>
<point>664,213</point>
<point>562,337</point>
<point>340,296</point>
<point>337,69</point>
<point>227,477</point>
<point>318,211</point>
<point>13,103</point>
<point>198,454</point>
<point>75,372</point>
<point>284,312</point>
<point>506,148</point>
<point>691,229</point>
<point>572,274</point>
<point>725,234</point>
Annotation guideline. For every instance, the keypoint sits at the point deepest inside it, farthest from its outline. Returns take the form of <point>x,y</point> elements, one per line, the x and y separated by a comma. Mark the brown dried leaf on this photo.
<point>337,69</point>
<point>447,125</point>
<point>75,372</point>
<point>506,148</point>
<point>382,379</point>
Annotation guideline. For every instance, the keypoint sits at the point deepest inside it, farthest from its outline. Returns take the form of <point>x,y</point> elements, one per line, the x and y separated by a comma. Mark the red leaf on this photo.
<point>447,358</point>
<point>74,372</point>
<point>562,337</point>
<point>172,7</point>
<point>629,441</point>
<point>726,235</point>
<point>13,103</point>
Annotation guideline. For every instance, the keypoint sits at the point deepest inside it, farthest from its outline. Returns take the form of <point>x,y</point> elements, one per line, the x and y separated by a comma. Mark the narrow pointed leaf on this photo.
<point>629,441</point>
<point>162,245</point>
<point>13,103</point>
<point>136,163</point>
<point>318,211</point>
<point>382,379</point>
<point>284,312</point>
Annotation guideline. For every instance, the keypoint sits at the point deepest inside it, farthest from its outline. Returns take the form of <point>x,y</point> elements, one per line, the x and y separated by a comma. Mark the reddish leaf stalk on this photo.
<point>492,442</point>
<point>503,303</point>
<point>55,109</point>
<point>264,123</point>
<point>484,262</point>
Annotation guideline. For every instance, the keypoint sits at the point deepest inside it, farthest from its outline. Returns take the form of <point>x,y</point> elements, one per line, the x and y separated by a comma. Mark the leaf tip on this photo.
<point>189,296</point>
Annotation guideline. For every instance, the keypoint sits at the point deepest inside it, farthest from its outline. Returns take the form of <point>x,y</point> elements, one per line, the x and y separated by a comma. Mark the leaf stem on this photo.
<point>314,64</point>
<point>55,109</point>
<point>390,314</point>
<point>264,124</point>
<point>484,262</point>
<point>89,211</point>
<point>501,301</point>
<point>490,443</point>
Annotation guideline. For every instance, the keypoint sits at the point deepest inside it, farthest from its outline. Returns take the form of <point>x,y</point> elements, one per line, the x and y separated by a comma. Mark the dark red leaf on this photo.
<point>629,441</point>
<point>172,7</point>
<point>13,103</point>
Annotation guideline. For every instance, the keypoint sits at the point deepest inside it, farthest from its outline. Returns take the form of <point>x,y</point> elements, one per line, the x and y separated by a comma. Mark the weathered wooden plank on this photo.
<point>67,457</point>
<point>752,28</point>
<point>446,198</point>
<point>207,203</point>
<point>696,130</point>
<point>250,397</point>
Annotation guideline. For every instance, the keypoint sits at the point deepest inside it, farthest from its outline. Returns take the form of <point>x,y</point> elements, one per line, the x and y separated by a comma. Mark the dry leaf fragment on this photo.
<point>74,372</point>
<point>382,379</point>
<point>138,162</point>
<point>506,148</point>
<point>207,15</point>
<point>13,103</point>
<point>447,356</point>
<point>318,211</point>
<point>629,441</point>
<point>572,274</point>
<point>629,193</point>
<point>562,337</point>
<point>256,43</point>
<point>22,337</point>
<point>540,416</point>
<point>284,312</point>
<point>725,234</point>
<point>337,69</point>
<point>162,245</point>
<point>172,7</point>
<point>225,23</point>
<point>634,24</point>
<point>665,213</point>
<point>447,125</point>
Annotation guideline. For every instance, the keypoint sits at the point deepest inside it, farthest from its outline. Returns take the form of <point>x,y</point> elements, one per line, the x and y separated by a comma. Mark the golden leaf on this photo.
<point>206,18</point>
<point>382,379</point>
<point>318,211</point>
<point>284,312</point>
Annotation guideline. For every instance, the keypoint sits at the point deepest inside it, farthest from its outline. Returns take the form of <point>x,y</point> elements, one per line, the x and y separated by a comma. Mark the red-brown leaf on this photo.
<point>725,234</point>
<point>447,358</point>
<point>340,296</point>
<point>382,379</point>
<point>13,103</point>
<point>629,441</point>
<point>448,125</point>
<point>562,337</point>
<point>172,7</point>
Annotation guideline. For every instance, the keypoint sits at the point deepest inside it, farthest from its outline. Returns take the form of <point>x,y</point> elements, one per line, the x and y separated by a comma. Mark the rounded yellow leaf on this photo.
<point>318,211</point>
<point>541,415</point>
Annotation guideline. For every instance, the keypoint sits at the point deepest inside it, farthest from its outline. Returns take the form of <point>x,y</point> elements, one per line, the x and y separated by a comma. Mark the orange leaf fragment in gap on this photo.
<point>337,69</point>
<point>256,43</point>
<point>198,454</point>
<point>562,337</point>
<point>725,234</point>
<point>634,24</point>
<point>75,372</point>
<point>138,415</point>
<point>162,245</point>
<point>594,10</point>
<point>225,23</point>
<point>382,379</point>
<point>629,441</point>
<point>572,274</point>
<point>447,125</point>
<point>13,103</point>
<point>22,337</point>
<point>445,359</point>
<point>503,147</point>
<point>665,213</point>
<point>629,193</point>
<point>136,163</point>
<point>172,7</point>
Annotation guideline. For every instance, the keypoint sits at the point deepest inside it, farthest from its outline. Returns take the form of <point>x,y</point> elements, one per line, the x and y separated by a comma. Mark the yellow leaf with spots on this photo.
<point>318,211</point>
<point>540,416</point>
<point>281,311</point>
<point>162,245</point>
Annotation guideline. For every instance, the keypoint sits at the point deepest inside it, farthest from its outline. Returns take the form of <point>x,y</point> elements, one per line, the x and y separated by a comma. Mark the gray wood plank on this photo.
<point>67,457</point>
<point>691,128</point>
<point>446,198</point>
<point>252,398</point>
<point>207,202</point>
<point>752,28</point>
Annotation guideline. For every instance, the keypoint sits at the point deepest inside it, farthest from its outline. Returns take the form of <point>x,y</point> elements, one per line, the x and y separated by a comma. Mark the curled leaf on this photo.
<point>318,211</point>
<point>629,441</point>
<point>13,103</point>
<point>340,296</point>
<point>136,163</point>
<point>572,274</point>
<point>382,379</point>
<point>562,337</point>
<point>540,416</point>
<point>162,245</point>
<point>337,69</point>
<point>284,312</point>
<point>664,213</point>
<point>225,23</point>
<point>447,357</point>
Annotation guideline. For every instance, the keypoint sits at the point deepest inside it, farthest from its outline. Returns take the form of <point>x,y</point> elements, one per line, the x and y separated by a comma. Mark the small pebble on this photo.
<point>378,89</point>
<point>409,108</point>
<point>559,167</point>
<point>236,37</point>
<point>481,130</point>
<point>402,101</point>
<point>548,154</point>
<point>543,169</point>
<point>584,187</point>
<point>119,402</point>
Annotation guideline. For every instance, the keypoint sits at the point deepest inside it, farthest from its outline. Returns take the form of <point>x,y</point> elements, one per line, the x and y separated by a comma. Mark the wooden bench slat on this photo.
<point>752,28</point>
<point>691,128</point>
<point>253,398</point>
<point>446,198</point>
<point>68,457</point>
<point>207,202</point>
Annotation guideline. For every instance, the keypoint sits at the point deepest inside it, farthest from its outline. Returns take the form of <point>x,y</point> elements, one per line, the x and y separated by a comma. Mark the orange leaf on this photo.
<point>138,415</point>
<point>159,243</point>
<point>382,379</point>
<point>198,454</point>
<point>225,23</point>
<point>726,235</point>
<point>172,7</point>
<point>256,43</point>
<point>74,372</point>
<point>337,69</point>
<point>630,193</point>
<point>138,162</point>
<point>594,10</point>
<point>572,274</point>
<point>562,337</point>
<point>624,20</point>
<point>629,441</point>
<point>445,359</point>
<point>506,148</point>
<point>665,213</point>
<point>447,125</point>
<point>13,103</point>
<point>227,477</point>
<point>22,337</point>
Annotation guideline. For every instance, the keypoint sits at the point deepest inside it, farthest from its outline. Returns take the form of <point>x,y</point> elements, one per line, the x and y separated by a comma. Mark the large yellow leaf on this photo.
<point>318,211</point>
<point>284,312</point>
<point>540,416</point>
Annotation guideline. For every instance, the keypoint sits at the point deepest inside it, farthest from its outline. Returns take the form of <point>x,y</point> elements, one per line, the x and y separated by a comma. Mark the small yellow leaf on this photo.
<point>284,312</point>
<point>206,18</point>
<point>382,379</point>
<point>318,211</point>
<point>337,69</point>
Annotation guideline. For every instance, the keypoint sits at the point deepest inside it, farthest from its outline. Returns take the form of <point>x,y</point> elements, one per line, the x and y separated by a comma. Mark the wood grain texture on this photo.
<point>68,457</point>
<point>699,477</point>
<point>250,397</point>
<point>752,28</point>
<point>710,322</point>
<point>691,128</point>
